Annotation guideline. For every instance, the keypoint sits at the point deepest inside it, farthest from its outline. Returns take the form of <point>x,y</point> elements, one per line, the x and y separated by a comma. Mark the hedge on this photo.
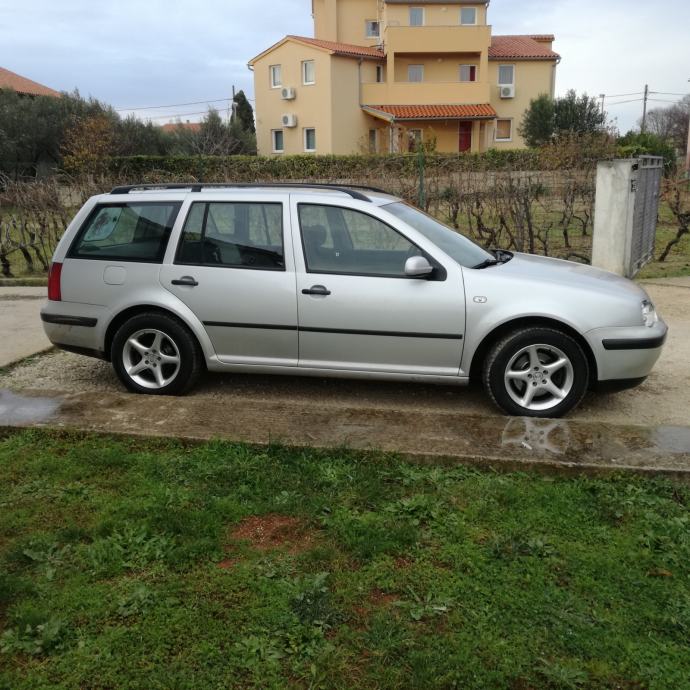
<point>323,167</point>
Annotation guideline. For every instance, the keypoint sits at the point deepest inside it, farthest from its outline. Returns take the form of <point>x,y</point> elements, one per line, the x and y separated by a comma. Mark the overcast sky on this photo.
<point>133,53</point>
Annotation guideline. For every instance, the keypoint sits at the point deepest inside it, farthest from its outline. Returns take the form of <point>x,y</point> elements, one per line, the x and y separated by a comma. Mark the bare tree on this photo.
<point>671,124</point>
<point>676,194</point>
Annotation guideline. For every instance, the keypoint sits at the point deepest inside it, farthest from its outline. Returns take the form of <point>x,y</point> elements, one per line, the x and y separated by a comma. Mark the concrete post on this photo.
<point>613,215</point>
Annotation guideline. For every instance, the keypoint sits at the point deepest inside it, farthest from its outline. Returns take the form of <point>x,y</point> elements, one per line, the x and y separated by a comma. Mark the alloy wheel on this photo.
<point>151,358</point>
<point>539,377</point>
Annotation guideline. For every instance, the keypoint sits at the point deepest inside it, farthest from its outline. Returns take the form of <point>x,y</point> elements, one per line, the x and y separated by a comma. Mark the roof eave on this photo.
<point>282,42</point>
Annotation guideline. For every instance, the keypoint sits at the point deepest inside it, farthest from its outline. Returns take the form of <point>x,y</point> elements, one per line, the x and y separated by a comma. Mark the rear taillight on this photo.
<point>54,292</point>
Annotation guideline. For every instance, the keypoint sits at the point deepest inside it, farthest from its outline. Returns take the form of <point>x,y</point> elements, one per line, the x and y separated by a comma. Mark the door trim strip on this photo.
<point>342,331</point>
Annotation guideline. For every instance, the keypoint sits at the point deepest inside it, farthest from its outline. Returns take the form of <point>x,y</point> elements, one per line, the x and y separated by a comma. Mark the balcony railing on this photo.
<point>428,93</point>
<point>437,39</point>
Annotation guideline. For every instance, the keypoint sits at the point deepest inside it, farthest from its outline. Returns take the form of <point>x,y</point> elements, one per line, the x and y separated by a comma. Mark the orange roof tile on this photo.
<point>436,112</point>
<point>174,126</point>
<point>344,49</point>
<point>522,48</point>
<point>14,81</point>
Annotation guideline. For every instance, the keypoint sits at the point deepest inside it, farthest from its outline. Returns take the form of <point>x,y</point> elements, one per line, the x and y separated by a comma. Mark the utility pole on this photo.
<point>602,96</point>
<point>232,106</point>
<point>643,128</point>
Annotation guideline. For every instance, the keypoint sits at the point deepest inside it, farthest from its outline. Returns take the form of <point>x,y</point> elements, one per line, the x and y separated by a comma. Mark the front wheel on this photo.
<point>536,372</point>
<point>155,354</point>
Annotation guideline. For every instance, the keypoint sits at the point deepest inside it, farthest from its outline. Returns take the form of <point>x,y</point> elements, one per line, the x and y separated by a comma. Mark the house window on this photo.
<point>379,74</point>
<point>309,139</point>
<point>468,16</point>
<point>373,148</point>
<point>415,73</point>
<point>506,75</point>
<point>416,16</point>
<point>276,79</point>
<point>414,139</point>
<point>468,73</point>
<point>504,130</point>
<point>277,140</point>
<point>372,29</point>
<point>308,72</point>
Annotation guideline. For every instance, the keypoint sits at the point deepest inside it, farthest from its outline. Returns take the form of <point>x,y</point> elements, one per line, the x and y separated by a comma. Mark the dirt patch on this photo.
<point>403,562</point>
<point>273,531</point>
<point>227,563</point>
<point>379,598</point>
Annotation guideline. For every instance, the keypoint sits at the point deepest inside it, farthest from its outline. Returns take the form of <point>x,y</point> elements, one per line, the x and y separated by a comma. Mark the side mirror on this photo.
<point>418,267</point>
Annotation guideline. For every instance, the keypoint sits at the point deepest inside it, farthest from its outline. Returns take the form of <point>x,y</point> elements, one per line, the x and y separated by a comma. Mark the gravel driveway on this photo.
<point>664,399</point>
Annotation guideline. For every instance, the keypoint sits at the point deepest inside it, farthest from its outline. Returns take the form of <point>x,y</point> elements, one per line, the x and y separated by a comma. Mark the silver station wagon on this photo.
<point>165,281</point>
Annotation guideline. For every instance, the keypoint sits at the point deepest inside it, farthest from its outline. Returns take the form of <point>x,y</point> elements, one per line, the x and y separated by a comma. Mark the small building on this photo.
<point>379,76</point>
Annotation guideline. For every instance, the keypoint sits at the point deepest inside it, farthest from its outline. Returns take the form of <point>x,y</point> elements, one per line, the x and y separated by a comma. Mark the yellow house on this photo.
<point>381,75</point>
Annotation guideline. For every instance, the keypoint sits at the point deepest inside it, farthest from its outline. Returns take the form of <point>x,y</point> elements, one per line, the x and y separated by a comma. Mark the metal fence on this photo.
<point>539,211</point>
<point>647,187</point>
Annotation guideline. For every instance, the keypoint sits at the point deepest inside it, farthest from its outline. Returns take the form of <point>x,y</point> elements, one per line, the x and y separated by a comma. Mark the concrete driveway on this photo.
<point>20,324</point>
<point>647,427</point>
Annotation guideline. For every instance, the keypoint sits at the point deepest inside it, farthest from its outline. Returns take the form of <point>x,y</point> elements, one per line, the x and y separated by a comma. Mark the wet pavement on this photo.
<point>512,443</point>
<point>646,429</point>
<point>20,316</point>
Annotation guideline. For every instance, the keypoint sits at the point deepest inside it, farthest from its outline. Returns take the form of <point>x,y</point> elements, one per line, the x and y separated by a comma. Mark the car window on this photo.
<point>126,232</point>
<point>342,240</point>
<point>233,234</point>
<point>457,246</point>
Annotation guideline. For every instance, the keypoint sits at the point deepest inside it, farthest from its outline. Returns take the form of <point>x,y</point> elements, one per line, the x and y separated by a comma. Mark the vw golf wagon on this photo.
<point>167,281</point>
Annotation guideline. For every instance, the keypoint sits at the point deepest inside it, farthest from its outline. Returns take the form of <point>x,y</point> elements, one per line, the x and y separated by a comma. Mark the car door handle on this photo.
<point>185,280</point>
<point>316,290</point>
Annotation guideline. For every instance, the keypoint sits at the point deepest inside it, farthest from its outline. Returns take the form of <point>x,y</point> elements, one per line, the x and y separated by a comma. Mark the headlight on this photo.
<point>649,317</point>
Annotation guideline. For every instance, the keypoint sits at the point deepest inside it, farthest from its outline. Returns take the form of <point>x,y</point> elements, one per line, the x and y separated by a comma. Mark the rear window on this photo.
<point>126,232</point>
<point>234,235</point>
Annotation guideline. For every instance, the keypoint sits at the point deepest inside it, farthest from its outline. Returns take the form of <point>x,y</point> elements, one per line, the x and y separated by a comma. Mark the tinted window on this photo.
<point>233,234</point>
<point>340,240</point>
<point>126,232</point>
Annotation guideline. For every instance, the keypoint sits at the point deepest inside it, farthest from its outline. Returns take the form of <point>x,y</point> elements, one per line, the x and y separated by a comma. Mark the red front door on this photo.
<point>465,136</point>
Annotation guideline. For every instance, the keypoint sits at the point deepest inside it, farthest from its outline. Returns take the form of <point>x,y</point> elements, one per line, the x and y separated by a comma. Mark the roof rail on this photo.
<point>350,190</point>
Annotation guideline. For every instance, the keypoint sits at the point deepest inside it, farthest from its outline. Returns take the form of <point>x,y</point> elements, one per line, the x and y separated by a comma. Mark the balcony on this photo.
<point>437,39</point>
<point>428,93</point>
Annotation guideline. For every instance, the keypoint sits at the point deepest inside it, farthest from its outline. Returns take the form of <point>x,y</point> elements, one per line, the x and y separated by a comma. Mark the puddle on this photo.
<point>21,409</point>
<point>548,436</point>
<point>520,441</point>
<point>671,439</point>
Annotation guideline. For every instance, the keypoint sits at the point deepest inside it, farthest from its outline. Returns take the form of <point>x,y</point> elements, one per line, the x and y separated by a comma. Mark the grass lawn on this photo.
<point>153,564</point>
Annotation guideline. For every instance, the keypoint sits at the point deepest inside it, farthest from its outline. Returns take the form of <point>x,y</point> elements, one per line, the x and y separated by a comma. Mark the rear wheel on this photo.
<point>155,354</point>
<point>536,372</point>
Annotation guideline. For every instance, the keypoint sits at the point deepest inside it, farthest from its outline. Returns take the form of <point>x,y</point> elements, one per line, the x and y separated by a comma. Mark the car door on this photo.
<point>357,309</point>
<point>233,267</point>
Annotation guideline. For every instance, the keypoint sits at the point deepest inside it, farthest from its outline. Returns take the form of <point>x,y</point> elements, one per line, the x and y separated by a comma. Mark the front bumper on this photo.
<point>626,353</point>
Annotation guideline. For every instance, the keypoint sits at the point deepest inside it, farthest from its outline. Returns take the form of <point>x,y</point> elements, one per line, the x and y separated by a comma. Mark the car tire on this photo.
<point>536,372</point>
<point>156,354</point>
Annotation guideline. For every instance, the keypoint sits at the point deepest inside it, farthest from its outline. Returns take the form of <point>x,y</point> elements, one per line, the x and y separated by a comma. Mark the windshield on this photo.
<point>457,246</point>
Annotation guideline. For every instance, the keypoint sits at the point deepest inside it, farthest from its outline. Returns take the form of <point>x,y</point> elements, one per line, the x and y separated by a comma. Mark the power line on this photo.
<point>622,95</point>
<point>663,100</point>
<point>171,105</point>
<point>158,117</point>
<point>664,93</point>
<point>633,100</point>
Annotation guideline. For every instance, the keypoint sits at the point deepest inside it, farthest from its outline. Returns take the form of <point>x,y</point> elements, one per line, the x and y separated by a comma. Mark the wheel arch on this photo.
<point>524,322</point>
<point>126,314</point>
